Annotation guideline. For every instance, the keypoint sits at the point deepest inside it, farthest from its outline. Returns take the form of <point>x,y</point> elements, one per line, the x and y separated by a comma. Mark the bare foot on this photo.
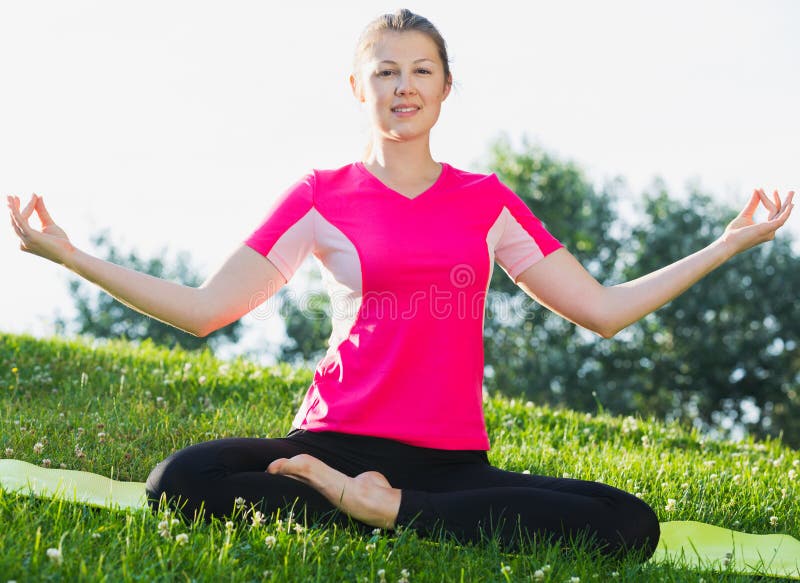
<point>368,497</point>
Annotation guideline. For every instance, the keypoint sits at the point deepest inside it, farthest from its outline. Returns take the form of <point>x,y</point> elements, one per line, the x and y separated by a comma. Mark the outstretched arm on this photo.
<point>561,283</point>
<point>244,281</point>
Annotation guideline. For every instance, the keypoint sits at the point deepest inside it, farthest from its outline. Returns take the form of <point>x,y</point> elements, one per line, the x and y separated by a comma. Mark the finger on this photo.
<point>44,216</point>
<point>767,202</point>
<point>20,220</point>
<point>751,206</point>
<point>16,228</point>
<point>28,210</point>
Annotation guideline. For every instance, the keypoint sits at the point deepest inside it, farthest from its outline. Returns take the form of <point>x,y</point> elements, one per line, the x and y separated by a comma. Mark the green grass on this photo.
<point>126,408</point>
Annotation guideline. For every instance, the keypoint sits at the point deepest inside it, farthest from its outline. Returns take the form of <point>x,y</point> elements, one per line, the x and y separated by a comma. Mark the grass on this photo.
<point>118,409</point>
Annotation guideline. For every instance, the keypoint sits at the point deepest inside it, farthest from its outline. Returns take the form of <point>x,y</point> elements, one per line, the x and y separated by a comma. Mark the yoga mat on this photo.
<point>683,544</point>
<point>71,485</point>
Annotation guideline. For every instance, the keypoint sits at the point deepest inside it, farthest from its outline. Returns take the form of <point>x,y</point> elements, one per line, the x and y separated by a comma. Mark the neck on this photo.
<point>412,158</point>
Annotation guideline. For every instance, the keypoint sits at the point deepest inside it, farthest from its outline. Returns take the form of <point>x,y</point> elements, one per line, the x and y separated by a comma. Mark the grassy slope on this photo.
<point>148,402</point>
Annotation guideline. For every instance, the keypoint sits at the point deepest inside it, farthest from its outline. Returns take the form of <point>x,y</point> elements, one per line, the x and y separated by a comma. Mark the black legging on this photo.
<point>455,490</point>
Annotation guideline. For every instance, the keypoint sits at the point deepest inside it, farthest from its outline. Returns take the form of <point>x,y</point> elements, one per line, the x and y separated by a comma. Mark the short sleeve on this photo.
<point>286,234</point>
<point>524,240</point>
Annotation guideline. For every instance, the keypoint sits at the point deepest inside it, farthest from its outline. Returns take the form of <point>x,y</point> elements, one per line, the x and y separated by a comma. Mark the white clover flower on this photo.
<point>526,471</point>
<point>96,535</point>
<point>505,568</point>
<point>796,463</point>
<point>258,518</point>
<point>737,478</point>
<point>546,568</point>
<point>201,379</point>
<point>182,538</point>
<point>102,436</point>
<point>55,556</point>
<point>538,575</point>
<point>404,573</point>
<point>709,463</point>
<point>229,525</point>
<point>270,541</point>
<point>370,547</point>
<point>174,521</point>
<point>239,502</point>
<point>670,505</point>
<point>574,579</point>
<point>773,520</point>
<point>792,474</point>
<point>46,462</point>
<point>298,528</point>
<point>224,369</point>
<point>629,425</point>
<point>9,452</point>
<point>381,572</point>
<point>187,367</point>
<point>38,447</point>
<point>335,548</point>
<point>615,573</point>
<point>376,531</point>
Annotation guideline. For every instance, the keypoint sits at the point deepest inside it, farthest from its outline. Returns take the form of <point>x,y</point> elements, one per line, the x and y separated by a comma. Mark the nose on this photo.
<point>405,85</point>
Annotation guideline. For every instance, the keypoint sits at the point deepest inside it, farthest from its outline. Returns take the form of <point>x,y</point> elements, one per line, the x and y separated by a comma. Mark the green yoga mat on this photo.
<point>684,544</point>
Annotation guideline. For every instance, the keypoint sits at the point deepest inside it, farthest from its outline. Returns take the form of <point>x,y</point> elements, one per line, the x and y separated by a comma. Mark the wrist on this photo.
<point>69,257</point>
<point>725,247</point>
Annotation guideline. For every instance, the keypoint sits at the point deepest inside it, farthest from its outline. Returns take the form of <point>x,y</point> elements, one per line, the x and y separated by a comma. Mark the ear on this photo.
<point>354,85</point>
<point>447,87</point>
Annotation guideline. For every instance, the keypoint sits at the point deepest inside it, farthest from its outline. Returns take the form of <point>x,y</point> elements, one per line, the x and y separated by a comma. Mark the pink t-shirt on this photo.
<point>408,280</point>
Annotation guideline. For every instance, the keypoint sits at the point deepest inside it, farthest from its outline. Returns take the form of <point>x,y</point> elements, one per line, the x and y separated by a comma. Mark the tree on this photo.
<point>536,353</point>
<point>308,324</point>
<point>722,353</point>
<point>102,316</point>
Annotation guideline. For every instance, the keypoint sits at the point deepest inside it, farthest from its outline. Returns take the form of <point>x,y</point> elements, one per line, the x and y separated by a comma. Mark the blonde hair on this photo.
<point>402,20</point>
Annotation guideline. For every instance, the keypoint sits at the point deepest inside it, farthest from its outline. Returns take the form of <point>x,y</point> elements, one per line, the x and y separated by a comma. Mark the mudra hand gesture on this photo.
<point>51,242</point>
<point>743,232</point>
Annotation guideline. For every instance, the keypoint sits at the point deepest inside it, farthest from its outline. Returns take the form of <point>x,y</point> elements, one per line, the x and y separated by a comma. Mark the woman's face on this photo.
<point>401,82</point>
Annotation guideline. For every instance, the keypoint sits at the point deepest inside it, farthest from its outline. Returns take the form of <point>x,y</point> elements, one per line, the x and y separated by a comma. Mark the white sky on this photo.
<point>176,123</point>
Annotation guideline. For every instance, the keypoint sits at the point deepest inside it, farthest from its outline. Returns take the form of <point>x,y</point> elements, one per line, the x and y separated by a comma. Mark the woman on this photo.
<point>391,431</point>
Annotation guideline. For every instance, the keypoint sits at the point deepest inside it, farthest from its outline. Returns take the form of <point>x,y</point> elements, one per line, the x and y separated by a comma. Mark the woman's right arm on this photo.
<point>243,282</point>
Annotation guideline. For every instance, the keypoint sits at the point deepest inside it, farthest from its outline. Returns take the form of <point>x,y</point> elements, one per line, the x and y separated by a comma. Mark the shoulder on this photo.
<point>484,181</point>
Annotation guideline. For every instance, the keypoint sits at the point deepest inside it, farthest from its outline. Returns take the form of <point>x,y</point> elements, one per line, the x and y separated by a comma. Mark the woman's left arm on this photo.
<point>560,282</point>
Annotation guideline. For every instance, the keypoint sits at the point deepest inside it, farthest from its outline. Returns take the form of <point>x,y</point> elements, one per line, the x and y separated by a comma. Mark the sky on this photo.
<point>176,124</point>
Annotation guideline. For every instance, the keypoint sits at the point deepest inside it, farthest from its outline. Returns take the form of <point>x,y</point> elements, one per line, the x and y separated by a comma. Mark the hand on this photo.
<point>743,232</point>
<point>51,242</point>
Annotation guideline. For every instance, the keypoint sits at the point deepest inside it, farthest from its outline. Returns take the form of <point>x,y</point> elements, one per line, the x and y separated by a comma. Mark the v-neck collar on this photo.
<point>432,187</point>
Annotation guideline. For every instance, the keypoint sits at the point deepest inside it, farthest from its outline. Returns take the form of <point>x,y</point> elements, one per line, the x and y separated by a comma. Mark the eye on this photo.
<point>426,71</point>
<point>385,73</point>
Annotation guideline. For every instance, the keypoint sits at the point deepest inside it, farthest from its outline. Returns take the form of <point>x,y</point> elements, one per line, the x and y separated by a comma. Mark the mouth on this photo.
<point>404,109</point>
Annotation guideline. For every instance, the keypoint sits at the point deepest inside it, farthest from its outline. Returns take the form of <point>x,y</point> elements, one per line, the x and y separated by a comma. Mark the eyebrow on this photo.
<point>417,61</point>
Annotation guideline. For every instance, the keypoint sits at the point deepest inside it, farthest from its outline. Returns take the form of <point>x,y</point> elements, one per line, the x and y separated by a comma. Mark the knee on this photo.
<point>640,530</point>
<point>169,481</point>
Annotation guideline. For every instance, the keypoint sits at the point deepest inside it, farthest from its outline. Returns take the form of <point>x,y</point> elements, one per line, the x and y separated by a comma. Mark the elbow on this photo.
<point>606,333</point>
<point>605,329</point>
